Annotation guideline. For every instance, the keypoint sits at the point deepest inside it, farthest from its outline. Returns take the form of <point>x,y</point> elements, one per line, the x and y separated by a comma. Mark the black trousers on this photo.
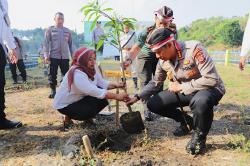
<point>84,109</point>
<point>201,103</point>
<point>2,82</point>
<point>21,67</point>
<point>146,70</point>
<point>53,68</point>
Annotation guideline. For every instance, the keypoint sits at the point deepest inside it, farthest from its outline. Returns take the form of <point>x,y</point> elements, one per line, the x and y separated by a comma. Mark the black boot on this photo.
<point>135,80</point>
<point>7,124</point>
<point>148,116</point>
<point>52,93</point>
<point>197,144</point>
<point>185,127</point>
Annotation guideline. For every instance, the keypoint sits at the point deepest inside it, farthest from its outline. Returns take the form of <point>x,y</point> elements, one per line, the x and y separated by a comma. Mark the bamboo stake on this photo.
<point>117,108</point>
<point>122,68</point>
<point>88,147</point>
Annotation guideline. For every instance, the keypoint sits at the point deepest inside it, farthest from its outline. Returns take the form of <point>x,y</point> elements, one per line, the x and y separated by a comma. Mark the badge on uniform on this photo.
<point>186,62</point>
<point>192,73</point>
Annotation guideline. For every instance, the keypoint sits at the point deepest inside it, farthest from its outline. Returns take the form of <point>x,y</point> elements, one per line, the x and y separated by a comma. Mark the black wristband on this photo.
<point>137,96</point>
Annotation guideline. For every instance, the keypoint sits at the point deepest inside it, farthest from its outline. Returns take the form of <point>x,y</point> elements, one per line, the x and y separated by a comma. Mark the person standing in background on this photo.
<point>20,64</point>
<point>245,49</point>
<point>41,61</point>
<point>7,39</point>
<point>96,37</point>
<point>58,47</point>
<point>128,39</point>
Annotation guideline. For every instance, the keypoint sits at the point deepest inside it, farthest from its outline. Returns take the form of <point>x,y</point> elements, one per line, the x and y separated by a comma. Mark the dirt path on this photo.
<point>41,140</point>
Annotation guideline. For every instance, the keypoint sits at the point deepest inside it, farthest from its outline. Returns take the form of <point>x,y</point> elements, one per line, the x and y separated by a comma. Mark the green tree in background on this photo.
<point>216,30</point>
<point>115,23</point>
<point>231,33</point>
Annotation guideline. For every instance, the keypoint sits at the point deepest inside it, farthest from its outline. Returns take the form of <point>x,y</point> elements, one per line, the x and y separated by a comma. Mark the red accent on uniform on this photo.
<point>163,41</point>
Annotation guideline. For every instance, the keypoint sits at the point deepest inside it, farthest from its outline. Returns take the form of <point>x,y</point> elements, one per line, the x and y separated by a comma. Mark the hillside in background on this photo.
<point>216,32</point>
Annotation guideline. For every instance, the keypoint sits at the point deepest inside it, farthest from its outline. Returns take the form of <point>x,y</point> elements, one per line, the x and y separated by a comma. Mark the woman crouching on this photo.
<point>83,92</point>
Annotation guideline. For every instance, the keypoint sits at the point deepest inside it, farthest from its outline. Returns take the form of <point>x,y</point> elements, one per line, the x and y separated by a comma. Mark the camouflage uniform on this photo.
<point>146,64</point>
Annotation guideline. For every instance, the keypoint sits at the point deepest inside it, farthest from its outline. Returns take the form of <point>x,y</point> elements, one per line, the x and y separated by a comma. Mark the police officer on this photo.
<point>97,34</point>
<point>7,39</point>
<point>128,39</point>
<point>21,54</point>
<point>147,61</point>
<point>195,83</point>
<point>58,47</point>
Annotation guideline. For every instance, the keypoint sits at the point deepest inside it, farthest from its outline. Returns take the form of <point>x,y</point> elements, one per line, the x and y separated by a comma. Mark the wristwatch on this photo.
<point>137,96</point>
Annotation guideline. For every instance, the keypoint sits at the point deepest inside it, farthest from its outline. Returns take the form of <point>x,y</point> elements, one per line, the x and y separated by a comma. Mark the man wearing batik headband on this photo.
<point>83,92</point>
<point>194,82</point>
<point>146,59</point>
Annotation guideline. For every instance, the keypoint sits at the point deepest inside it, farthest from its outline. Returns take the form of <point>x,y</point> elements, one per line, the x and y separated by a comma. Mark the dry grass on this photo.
<point>40,141</point>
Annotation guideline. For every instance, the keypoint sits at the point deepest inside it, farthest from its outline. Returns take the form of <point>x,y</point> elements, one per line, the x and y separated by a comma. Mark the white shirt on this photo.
<point>97,33</point>
<point>245,49</point>
<point>125,37</point>
<point>82,86</point>
<point>6,36</point>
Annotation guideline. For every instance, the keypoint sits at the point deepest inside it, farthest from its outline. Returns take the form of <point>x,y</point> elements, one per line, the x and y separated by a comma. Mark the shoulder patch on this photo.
<point>199,55</point>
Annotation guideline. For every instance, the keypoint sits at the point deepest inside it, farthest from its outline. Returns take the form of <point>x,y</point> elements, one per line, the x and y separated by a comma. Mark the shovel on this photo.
<point>132,121</point>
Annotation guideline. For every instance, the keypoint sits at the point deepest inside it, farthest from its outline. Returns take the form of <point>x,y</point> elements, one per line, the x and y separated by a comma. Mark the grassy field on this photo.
<point>42,141</point>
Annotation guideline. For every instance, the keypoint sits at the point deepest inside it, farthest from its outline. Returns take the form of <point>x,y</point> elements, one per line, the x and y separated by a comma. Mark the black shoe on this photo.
<point>68,125</point>
<point>181,131</point>
<point>197,144</point>
<point>7,124</point>
<point>185,127</point>
<point>149,118</point>
<point>135,80</point>
<point>90,123</point>
<point>52,94</point>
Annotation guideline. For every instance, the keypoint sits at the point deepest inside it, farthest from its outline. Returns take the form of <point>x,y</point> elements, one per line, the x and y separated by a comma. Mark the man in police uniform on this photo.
<point>7,39</point>
<point>147,61</point>
<point>97,34</point>
<point>128,39</point>
<point>195,83</point>
<point>58,47</point>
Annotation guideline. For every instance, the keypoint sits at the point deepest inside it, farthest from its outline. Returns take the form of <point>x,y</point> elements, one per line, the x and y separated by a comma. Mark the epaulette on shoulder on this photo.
<point>150,28</point>
<point>66,28</point>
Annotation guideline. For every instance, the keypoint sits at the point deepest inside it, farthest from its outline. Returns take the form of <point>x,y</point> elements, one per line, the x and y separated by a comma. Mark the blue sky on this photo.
<point>28,14</point>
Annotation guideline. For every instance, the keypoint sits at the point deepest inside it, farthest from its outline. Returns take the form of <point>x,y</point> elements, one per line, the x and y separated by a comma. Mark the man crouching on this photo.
<point>194,83</point>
